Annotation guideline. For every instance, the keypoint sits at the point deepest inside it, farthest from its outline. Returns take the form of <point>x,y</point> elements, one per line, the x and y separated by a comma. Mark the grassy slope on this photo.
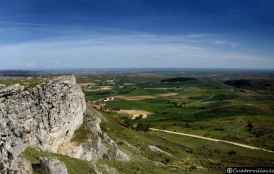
<point>74,166</point>
<point>188,154</point>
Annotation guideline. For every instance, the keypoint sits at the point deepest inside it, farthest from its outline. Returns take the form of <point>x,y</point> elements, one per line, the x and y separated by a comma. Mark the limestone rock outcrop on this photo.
<point>98,145</point>
<point>45,116</point>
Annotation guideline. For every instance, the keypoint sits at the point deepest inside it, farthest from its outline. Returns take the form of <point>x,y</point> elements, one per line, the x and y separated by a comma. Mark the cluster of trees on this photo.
<point>136,124</point>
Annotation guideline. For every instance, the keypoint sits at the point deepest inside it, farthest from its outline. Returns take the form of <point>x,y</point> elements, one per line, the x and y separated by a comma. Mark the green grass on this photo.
<point>95,95</point>
<point>137,91</point>
<point>220,153</point>
<point>146,167</point>
<point>152,105</point>
<point>25,82</point>
<point>231,128</point>
<point>74,166</point>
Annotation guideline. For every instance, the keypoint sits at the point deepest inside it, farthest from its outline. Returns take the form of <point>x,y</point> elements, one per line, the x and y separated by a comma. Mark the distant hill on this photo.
<point>18,73</point>
<point>178,79</point>
<point>254,84</point>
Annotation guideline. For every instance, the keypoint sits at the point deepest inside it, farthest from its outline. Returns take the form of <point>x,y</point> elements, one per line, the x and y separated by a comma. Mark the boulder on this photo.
<point>52,166</point>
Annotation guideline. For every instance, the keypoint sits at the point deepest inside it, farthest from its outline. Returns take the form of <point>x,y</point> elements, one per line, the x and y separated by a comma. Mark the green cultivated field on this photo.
<point>202,106</point>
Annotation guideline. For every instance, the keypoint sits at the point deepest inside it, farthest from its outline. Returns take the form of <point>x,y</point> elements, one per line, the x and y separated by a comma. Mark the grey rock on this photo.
<point>158,150</point>
<point>98,144</point>
<point>45,117</point>
<point>104,169</point>
<point>52,166</point>
<point>2,85</point>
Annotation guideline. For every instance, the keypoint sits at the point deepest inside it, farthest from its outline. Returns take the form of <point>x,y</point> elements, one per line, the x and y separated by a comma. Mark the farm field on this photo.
<point>203,106</point>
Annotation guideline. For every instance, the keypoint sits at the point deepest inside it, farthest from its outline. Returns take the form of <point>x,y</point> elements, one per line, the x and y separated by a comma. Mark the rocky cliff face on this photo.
<point>45,117</point>
<point>97,144</point>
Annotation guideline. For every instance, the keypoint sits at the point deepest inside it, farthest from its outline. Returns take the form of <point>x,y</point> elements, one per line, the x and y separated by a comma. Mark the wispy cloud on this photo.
<point>227,43</point>
<point>123,50</point>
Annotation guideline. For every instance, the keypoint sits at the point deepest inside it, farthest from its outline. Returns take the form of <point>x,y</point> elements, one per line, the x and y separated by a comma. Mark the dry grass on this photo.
<point>135,98</point>
<point>145,97</point>
<point>135,113</point>
<point>171,94</point>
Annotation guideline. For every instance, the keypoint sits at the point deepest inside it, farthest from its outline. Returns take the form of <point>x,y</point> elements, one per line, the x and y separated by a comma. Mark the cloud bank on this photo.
<point>130,50</point>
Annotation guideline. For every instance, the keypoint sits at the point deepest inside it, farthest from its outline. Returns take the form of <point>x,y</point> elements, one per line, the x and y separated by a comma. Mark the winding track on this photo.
<point>213,139</point>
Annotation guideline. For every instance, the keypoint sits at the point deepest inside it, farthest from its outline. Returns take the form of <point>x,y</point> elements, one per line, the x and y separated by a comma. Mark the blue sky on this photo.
<point>136,33</point>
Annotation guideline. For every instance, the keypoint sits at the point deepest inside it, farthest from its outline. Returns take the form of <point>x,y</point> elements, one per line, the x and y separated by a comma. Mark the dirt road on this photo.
<point>213,139</point>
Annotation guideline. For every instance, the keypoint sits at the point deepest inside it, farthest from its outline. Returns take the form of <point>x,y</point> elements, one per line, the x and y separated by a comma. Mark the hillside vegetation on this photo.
<point>201,106</point>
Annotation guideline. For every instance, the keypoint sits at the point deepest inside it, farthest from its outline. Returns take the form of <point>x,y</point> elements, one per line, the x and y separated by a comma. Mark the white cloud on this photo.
<point>124,50</point>
<point>227,43</point>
